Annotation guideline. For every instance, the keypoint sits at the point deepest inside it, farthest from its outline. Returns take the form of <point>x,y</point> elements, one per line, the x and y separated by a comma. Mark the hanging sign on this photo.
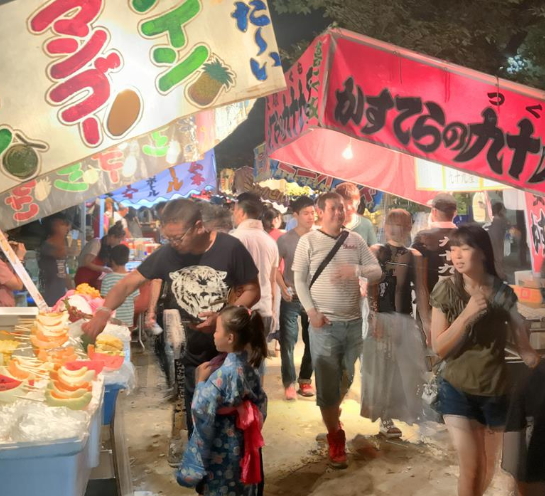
<point>96,73</point>
<point>434,177</point>
<point>535,222</point>
<point>180,181</point>
<point>437,111</point>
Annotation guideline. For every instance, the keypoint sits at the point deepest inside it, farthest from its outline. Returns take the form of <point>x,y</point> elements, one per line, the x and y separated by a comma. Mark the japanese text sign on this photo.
<point>122,165</point>
<point>81,76</point>
<point>180,181</point>
<point>437,111</point>
<point>289,113</point>
<point>535,223</point>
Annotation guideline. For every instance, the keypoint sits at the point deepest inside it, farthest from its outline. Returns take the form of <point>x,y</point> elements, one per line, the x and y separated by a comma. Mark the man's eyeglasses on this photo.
<point>178,239</point>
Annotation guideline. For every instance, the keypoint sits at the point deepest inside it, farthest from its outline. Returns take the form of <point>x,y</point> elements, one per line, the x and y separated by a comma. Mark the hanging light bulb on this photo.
<point>347,153</point>
<point>173,152</point>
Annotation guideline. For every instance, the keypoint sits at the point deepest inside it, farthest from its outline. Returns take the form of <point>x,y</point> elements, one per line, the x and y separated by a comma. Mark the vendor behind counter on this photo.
<point>94,259</point>
<point>9,280</point>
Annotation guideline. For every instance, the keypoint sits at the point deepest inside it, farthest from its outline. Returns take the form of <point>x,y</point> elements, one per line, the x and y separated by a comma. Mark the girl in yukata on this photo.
<point>223,455</point>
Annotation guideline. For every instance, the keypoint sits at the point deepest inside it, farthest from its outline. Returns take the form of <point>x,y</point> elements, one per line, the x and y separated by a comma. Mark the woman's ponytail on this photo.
<point>250,332</point>
<point>258,341</point>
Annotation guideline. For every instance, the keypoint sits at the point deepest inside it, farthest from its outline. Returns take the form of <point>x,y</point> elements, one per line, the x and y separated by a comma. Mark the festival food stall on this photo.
<point>108,93</point>
<point>381,116</point>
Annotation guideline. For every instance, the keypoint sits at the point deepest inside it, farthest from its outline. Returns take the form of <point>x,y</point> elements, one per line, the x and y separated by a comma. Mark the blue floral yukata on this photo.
<point>216,447</point>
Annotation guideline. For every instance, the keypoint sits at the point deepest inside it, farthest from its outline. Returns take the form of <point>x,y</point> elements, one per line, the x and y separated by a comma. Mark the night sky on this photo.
<point>237,149</point>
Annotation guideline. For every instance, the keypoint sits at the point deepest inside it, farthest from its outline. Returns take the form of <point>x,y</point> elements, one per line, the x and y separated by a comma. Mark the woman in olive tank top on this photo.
<point>474,315</point>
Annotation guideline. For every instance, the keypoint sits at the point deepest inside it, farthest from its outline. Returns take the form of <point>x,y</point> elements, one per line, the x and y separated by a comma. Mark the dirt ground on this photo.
<point>422,463</point>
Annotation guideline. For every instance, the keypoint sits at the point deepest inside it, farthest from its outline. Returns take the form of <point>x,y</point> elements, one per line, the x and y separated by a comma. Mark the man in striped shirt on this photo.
<point>333,305</point>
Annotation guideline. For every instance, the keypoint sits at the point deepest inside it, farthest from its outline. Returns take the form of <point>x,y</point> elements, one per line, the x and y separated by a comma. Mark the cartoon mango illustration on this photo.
<point>215,78</point>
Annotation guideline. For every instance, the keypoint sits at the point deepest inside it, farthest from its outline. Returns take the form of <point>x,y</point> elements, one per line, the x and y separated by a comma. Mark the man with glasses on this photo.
<point>205,268</point>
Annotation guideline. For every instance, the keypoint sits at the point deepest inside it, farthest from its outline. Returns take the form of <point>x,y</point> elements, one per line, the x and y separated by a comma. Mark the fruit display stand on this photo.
<point>41,458</point>
<point>54,468</point>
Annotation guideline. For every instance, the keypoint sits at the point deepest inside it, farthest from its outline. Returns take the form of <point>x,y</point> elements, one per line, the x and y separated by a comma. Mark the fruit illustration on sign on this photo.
<point>125,112</point>
<point>214,78</point>
<point>20,156</point>
<point>42,190</point>
<point>91,175</point>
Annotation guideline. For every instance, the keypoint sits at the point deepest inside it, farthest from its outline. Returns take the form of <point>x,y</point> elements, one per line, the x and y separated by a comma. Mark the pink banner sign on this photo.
<point>290,113</point>
<point>428,108</point>
<point>535,220</point>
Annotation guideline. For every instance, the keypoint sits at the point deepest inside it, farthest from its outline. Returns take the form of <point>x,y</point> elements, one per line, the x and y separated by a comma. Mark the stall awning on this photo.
<point>349,93</point>
<point>111,91</point>
<point>265,168</point>
<point>181,181</point>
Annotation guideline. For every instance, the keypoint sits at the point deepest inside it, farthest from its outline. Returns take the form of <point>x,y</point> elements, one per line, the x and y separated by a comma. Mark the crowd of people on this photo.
<point>403,309</point>
<point>237,282</point>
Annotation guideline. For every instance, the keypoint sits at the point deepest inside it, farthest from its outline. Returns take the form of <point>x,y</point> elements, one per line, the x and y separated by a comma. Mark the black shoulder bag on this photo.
<point>329,257</point>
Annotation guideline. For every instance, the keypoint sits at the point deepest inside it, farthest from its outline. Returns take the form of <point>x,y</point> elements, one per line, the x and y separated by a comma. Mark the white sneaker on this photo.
<point>389,430</point>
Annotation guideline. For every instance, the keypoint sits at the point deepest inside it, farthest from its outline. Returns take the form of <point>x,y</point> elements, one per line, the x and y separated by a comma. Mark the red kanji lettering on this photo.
<point>21,201</point>
<point>72,25</point>
<point>90,49</point>
<point>129,192</point>
<point>367,194</point>
<point>194,167</point>
<point>197,179</point>
<point>110,162</point>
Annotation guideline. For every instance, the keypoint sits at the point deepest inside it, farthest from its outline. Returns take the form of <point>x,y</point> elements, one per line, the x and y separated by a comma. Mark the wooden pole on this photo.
<point>22,273</point>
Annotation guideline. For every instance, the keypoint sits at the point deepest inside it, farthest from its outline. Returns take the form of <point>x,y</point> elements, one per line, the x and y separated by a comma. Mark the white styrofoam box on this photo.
<point>58,468</point>
<point>52,469</point>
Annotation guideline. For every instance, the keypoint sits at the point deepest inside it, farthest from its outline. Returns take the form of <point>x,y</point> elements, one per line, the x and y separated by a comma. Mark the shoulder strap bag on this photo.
<point>329,257</point>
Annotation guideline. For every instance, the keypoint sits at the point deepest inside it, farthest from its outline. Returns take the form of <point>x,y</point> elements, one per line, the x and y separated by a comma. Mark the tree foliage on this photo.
<point>500,37</point>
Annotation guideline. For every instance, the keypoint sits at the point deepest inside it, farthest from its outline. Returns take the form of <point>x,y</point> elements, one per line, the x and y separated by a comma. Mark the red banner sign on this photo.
<point>289,113</point>
<point>444,113</point>
<point>535,220</point>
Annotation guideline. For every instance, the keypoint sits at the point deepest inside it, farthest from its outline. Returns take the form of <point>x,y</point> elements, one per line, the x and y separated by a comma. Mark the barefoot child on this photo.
<point>228,410</point>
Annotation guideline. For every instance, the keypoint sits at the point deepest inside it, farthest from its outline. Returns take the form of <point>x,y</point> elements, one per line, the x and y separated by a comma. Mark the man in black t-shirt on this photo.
<point>204,267</point>
<point>434,245</point>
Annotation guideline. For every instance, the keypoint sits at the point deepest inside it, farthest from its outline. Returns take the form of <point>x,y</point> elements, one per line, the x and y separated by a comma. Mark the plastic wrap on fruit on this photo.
<point>31,421</point>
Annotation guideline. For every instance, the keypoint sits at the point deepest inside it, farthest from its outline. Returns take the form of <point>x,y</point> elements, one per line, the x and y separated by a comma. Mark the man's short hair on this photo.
<point>120,254</point>
<point>446,204</point>
<point>251,205</point>
<point>216,218</point>
<point>349,191</point>
<point>497,208</point>
<point>182,210</point>
<point>301,203</point>
<point>321,200</point>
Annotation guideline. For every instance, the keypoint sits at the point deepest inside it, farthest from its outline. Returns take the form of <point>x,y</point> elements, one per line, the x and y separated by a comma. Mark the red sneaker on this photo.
<point>290,394</point>
<point>337,449</point>
<point>305,390</point>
